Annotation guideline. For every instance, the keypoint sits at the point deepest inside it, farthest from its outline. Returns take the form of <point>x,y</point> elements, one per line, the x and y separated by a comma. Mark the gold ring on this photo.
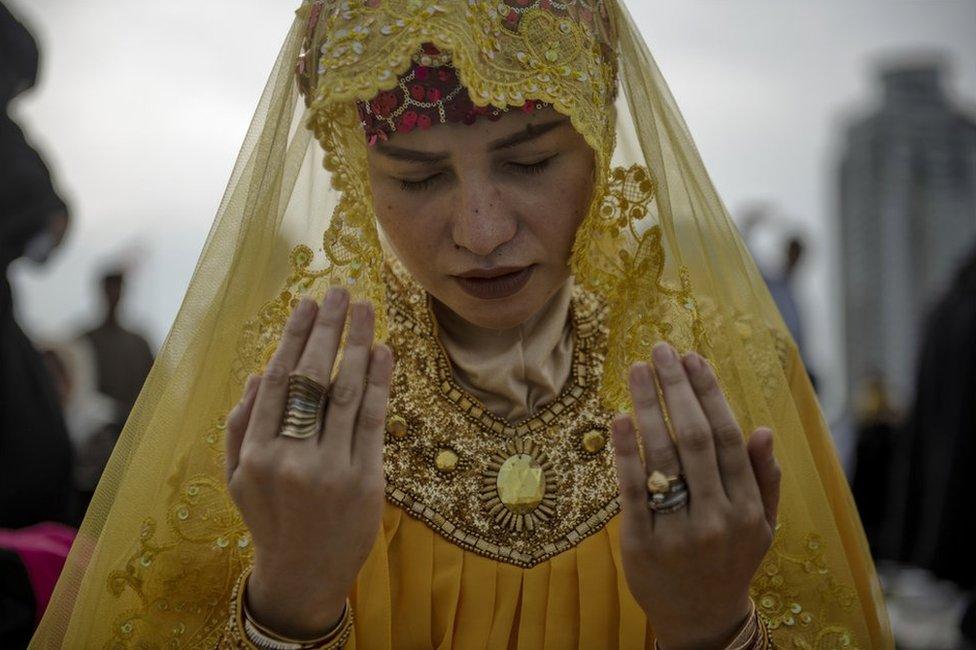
<point>667,493</point>
<point>305,407</point>
<point>658,483</point>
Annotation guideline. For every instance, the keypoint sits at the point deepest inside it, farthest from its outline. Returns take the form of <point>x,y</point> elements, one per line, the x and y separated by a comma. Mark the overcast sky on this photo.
<point>142,107</point>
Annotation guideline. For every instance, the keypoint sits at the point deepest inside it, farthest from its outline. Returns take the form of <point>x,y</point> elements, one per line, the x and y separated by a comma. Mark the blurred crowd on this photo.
<point>63,406</point>
<point>913,479</point>
<point>911,470</point>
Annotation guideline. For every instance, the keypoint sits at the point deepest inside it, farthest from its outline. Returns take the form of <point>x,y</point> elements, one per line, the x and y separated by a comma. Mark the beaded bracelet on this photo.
<point>244,632</point>
<point>753,635</point>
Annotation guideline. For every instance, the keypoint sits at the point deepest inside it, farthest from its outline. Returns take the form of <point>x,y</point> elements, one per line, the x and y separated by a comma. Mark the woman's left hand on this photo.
<point>690,569</point>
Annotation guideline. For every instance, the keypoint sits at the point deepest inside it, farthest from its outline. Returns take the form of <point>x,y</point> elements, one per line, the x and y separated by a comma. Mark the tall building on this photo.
<point>907,215</point>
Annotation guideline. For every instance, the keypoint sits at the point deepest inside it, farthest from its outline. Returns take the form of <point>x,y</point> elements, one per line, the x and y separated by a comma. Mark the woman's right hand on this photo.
<point>313,506</point>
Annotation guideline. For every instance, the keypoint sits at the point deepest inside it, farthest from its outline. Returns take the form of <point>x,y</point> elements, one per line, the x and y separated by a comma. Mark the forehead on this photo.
<point>481,135</point>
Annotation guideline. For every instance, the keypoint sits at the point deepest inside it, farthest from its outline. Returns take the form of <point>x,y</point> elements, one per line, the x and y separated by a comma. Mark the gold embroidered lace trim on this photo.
<point>802,618</point>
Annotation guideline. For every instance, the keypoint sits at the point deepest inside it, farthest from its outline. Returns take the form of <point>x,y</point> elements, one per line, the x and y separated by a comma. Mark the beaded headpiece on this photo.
<point>430,92</point>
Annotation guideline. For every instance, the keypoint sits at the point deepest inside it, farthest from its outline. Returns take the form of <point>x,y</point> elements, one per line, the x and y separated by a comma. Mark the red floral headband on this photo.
<point>429,93</point>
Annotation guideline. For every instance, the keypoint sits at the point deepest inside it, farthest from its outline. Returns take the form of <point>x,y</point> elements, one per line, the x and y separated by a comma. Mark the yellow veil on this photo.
<point>162,544</point>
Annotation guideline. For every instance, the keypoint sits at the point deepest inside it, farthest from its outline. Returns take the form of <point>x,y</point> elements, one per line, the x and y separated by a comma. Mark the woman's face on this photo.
<point>484,215</point>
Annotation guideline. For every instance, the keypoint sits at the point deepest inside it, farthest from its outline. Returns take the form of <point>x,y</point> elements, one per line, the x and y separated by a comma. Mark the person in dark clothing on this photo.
<point>35,450</point>
<point>123,358</point>
<point>19,57</point>
<point>934,493</point>
<point>17,601</point>
<point>877,426</point>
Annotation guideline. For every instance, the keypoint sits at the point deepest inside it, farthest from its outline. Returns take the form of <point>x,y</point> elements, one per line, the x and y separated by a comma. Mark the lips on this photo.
<point>494,284</point>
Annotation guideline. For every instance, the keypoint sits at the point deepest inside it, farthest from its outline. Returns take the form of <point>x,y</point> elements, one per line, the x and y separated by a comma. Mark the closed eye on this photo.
<point>419,185</point>
<point>533,167</point>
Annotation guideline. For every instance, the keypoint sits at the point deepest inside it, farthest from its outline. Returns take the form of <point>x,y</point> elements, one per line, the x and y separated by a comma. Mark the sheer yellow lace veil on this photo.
<point>161,545</point>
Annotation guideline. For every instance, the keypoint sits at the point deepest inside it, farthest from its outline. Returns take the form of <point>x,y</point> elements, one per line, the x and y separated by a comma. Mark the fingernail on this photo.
<point>693,362</point>
<point>304,308</point>
<point>663,354</point>
<point>620,424</point>
<point>641,373</point>
<point>766,445</point>
<point>334,297</point>
<point>381,353</point>
<point>331,299</point>
<point>360,312</point>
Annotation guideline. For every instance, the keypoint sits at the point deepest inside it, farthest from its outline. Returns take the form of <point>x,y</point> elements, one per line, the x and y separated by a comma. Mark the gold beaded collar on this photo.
<point>515,492</point>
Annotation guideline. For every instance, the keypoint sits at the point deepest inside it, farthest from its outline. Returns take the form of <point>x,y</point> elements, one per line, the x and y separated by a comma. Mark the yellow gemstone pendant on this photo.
<point>521,485</point>
<point>517,486</point>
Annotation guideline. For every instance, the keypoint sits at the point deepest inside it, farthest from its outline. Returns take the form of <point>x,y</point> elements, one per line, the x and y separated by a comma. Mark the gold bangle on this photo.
<point>250,634</point>
<point>748,633</point>
<point>750,636</point>
<point>765,639</point>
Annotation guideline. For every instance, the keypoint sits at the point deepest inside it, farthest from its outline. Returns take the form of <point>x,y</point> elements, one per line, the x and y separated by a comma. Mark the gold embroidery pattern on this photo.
<point>504,54</point>
<point>802,618</point>
<point>521,492</point>
<point>764,349</point>
<point>182,584</point>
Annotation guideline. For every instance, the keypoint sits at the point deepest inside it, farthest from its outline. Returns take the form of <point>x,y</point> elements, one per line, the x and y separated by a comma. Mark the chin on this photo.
<point>499,313</point>
<point>496,314</point>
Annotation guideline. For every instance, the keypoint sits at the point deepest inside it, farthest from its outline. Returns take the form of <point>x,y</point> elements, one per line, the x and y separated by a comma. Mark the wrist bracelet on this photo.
<point>748,633</point>
<point>248,633</point>
<point>752,635</point>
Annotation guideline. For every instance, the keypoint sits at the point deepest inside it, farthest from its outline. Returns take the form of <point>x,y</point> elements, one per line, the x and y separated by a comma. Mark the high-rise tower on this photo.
<point>907,214</point>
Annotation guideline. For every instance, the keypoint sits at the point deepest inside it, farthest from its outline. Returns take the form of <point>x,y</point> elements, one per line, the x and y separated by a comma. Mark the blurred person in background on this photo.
<point>929,520</point>
<point>35,458</point>
<point>122,357</point>
<point>92,418</point>
<point>781,278</point>
<point>782,286</point>
<point>876,425</point>
<point>108,365</point>
<point>35,452</point>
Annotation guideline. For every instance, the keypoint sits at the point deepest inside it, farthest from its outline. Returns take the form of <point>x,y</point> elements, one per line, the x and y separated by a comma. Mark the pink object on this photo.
<point>43,549</point>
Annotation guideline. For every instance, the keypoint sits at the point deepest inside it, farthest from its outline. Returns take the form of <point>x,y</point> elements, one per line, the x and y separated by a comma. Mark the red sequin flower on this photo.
<point>424,96</point>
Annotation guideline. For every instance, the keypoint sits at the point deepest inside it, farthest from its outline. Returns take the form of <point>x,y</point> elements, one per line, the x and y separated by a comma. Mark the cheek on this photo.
<point>408,227</point>
<point>560,207</point>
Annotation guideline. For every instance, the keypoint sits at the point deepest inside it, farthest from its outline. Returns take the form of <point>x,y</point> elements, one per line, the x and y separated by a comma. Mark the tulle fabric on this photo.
<point>162,545</point>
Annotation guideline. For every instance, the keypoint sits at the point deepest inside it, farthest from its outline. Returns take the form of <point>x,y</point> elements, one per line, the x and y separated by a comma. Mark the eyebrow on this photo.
<point>529,133</point>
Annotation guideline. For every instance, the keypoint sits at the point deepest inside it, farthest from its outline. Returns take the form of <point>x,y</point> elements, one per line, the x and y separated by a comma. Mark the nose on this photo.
<point>483,221</point>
